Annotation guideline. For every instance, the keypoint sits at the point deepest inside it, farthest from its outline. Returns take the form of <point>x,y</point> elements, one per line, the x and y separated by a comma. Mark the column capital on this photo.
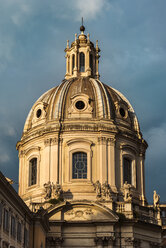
<point>111,141</point>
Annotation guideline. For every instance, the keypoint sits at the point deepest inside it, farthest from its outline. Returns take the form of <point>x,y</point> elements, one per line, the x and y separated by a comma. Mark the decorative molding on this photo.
<point>132,241</point>
<point>54,241</point>
<point>21,154</point>
<point>47,142</point>
<point>79,140</point>
<point>130,148</point>
<point>52,141</point>
<point>102,140</point>
<point>154,244</point>
<point>104,240</point>
<point>129,241</point>
<point>111,141</point>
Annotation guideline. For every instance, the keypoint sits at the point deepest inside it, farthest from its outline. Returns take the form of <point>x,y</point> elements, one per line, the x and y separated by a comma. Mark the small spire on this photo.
<point>75,37</point>
<point>82,28</point>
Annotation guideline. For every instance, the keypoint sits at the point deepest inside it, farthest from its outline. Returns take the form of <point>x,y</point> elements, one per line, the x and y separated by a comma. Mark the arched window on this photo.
<point>32,171</point>
<point>79,165</point>
<point>82,62</point>
<point>73,62</point>
<point>91,63</point>
<point>127,170</point>
<point>69,64</point>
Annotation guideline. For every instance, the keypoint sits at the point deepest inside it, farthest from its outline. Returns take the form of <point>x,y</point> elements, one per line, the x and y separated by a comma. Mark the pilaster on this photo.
<point>111,163</point>
<point>102,141</point>
<point>22,173</point>
<point>54,160</point>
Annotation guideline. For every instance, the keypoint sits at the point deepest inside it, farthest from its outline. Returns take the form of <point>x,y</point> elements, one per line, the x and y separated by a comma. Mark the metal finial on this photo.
<point>82,28</point>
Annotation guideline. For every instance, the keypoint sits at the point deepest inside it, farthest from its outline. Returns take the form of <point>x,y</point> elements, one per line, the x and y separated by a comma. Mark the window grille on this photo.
<point>126,170</point>
<point>79,164</point>
<point>82,62</point>
<point>32,171</point>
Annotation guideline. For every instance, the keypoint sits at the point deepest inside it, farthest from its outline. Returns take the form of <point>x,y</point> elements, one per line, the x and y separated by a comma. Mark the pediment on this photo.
<point>82,212</point>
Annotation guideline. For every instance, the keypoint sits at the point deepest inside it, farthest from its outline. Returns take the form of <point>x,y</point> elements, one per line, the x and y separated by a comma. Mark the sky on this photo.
<point>132,40</point>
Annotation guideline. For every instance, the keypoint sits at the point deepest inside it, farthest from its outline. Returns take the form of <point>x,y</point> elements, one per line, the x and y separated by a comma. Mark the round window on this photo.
<point>80,105</point>
<point>122,112</point>
<point>38,113</point>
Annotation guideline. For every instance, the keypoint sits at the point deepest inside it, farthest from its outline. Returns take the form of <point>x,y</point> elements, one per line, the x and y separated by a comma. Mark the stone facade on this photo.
<point>18,225</point>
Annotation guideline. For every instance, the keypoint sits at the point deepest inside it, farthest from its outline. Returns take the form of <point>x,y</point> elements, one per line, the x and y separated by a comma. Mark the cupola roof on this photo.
<point>99,102</point>
<point>82,97</point>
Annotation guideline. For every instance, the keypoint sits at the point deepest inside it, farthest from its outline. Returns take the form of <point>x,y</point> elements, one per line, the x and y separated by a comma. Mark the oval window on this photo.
<point>80,105</point>
<point>38,113</point>
<point>122,112</point>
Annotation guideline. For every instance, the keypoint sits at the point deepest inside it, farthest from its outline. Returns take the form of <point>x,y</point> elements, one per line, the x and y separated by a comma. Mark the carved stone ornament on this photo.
<point>21,153</point>
<point>104,240</point>
<point>79,213</point>
<point>102,191</point>
<point>50,141</point>
<point>129,241</point>
<point>47,142</point>
<point>97,187</point>
<point>52,190</point>
<point>127,192</point>
<point>154,244</point>
<point>54,241</point>
<point>102,140</point>
<point>106,191</point>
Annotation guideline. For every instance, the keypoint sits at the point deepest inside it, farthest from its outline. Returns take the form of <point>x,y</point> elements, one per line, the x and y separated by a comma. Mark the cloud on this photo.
<point>23,11</point>
<point>156,138</point>
<point>7,130</point>
<point>4,157</point>
<point>90,9</point>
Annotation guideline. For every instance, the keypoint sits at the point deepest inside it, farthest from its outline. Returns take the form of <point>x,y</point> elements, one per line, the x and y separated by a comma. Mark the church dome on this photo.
<point>81,139</point>
<point>85,99</point>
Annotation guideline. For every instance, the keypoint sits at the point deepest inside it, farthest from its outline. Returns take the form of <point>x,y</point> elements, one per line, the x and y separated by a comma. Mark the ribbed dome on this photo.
<point>82,98</point>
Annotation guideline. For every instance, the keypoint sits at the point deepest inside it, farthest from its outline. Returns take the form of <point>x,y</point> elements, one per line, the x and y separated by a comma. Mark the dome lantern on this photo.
<point>82,58</point>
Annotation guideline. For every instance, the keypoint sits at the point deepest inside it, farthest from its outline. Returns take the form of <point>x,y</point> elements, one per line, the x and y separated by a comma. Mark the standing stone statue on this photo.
<point>127,193</point>
<point>97,186</point>
<point>57,191</point>
<point>156,199</point>
<point>106,191</point>
<point>48,190</point>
